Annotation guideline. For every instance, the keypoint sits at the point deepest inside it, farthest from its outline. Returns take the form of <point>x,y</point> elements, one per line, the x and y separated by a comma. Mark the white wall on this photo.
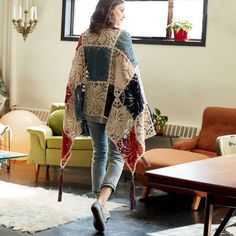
<point>179,80</point>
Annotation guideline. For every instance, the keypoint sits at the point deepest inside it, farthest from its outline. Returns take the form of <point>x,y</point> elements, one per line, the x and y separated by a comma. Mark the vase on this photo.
<point>181,35</point>
<point>159,130</point>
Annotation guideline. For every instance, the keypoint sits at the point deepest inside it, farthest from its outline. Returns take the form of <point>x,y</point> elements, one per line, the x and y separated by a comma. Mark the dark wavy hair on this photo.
<point>102,16</point>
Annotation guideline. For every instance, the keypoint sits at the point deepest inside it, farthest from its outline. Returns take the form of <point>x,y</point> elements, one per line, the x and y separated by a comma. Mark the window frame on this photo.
<point>67,32</point>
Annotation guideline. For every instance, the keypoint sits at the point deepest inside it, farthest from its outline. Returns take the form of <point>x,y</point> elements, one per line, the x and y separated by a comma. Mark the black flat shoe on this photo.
<point>98,217</point>
<point>107,216</point>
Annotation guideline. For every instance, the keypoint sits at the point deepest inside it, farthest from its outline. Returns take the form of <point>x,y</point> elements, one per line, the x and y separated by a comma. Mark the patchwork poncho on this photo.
<point>105,85</point>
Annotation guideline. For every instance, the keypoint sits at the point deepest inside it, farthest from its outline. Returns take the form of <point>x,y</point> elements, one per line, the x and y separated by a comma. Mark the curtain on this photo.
<point>8,40</point>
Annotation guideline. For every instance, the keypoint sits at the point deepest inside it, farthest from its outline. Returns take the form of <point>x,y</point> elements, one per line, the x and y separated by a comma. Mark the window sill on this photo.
<point>153,41</point>
<point>192,42</point>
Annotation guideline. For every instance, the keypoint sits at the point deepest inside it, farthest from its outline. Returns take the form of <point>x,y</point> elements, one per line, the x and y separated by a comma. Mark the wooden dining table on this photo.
<point>216,176</point>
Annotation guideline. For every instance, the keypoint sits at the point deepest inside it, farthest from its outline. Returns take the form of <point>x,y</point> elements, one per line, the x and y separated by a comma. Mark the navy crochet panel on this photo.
<point>132,97</point>
<point>109,100</point>
<point>97,60</point>
<point>79,96</point>
<point>124,43</point>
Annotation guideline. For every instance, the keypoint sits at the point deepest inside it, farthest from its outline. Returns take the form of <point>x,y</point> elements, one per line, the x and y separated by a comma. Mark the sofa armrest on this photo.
<point>42,132</point>
<point>186,145</point>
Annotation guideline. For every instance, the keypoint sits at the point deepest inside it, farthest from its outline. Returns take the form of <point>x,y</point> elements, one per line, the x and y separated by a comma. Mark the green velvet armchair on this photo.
<point>45,143</point>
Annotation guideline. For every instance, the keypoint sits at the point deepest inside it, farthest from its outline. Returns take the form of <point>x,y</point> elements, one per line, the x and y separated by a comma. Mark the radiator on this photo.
<point>42,114</point>
<point>181,131</point>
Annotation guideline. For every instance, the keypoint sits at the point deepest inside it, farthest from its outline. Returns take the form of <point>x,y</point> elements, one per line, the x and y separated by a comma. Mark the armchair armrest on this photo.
<point>186,145</point>
<point>42,132</point>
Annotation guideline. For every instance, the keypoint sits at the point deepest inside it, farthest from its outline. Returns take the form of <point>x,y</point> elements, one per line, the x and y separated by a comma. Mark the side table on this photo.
<point>5,142</point>
<point>7,155</point>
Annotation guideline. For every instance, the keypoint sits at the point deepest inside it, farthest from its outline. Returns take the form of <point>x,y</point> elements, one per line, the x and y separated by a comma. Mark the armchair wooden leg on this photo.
<point>196,202</point>
<point>145,192</point>
<point>196,217</point>
<point>37,168</point>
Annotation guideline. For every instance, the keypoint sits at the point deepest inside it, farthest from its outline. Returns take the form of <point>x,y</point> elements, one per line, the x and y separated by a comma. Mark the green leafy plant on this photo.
<point>159,120</point>
<point>178,25</point>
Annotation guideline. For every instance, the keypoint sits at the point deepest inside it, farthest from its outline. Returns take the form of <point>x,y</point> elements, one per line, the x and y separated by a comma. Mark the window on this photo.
<point>146,20</point>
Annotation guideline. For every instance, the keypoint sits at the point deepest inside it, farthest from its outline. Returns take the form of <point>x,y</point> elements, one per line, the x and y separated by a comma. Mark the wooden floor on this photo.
<point>161,211</point>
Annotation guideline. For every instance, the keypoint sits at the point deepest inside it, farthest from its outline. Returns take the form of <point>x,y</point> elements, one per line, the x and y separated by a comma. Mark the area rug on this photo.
<point>31,209</point>
<point>196,230</point>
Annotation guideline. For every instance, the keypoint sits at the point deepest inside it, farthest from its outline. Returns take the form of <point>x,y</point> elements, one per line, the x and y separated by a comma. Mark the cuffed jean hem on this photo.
<point>109,185</point>
<point>105,185</point>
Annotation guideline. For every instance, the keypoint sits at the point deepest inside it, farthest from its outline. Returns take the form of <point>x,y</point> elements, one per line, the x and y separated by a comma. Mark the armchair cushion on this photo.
<point>164,157</point>
<point>55,121</point>
<point>204,152</point>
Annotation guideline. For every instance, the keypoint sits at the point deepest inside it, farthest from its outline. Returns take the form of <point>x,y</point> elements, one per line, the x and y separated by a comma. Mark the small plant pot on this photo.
<point>181,35</point>
<point>159,130</point>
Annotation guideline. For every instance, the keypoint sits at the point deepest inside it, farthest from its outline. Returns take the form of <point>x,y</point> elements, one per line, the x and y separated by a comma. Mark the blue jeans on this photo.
<point>102,176</point>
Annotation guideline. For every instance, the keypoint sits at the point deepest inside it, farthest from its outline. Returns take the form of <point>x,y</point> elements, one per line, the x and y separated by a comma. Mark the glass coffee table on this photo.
<point>6,156</point>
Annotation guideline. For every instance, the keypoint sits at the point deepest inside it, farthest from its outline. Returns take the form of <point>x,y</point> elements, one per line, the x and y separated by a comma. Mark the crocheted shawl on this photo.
<point>105,82</point>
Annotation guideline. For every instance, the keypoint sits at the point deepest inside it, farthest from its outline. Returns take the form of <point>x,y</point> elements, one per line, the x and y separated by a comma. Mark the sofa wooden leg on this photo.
<point>196,202</point>
<point>47,172</point>
<point>145,192</point>
<point>37,168</point>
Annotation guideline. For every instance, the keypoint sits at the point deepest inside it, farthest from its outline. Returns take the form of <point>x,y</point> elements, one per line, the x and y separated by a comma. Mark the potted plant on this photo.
<point>159,121</point>
<point>181,29</point>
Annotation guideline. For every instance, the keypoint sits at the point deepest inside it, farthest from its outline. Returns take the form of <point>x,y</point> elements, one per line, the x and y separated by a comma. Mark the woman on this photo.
<point>104,91</point>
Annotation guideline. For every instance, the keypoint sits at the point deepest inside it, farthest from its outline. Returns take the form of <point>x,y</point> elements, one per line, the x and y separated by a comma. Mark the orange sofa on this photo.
<point>216,121</point>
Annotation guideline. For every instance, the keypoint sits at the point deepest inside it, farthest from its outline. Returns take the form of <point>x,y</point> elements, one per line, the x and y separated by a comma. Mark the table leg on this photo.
<point>8,166</point>
<point>208,216</point>
<point>224,222</point>
<point>7,163</point>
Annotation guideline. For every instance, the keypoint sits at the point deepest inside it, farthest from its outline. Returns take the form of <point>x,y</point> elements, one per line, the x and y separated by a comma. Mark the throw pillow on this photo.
<point>55,121</point>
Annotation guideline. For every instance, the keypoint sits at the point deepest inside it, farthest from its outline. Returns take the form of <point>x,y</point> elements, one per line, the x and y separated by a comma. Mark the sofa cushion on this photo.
<point>55,121</point>
<point>80,143</point>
